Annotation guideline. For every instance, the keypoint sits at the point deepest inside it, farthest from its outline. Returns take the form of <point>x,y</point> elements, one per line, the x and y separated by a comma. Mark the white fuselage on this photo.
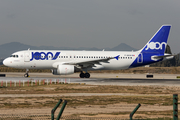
<point>25,59</point>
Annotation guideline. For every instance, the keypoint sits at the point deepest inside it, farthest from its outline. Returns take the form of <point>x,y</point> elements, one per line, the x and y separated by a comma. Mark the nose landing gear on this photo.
<point>26,74</point>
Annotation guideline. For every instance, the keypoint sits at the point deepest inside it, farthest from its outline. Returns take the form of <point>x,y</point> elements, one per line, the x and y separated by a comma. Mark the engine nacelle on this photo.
<point>63,70</point>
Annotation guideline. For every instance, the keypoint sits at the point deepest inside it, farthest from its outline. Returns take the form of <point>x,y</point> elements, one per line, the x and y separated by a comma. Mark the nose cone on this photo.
<point>5,62</point>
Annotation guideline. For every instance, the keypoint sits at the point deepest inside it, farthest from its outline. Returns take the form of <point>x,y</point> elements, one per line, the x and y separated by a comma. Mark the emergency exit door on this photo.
<point>26,57</point>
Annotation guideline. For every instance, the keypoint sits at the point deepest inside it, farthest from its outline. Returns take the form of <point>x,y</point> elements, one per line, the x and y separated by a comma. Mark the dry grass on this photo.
<point>91,100</point>
<point>70,88</point>
<point>146,95</point>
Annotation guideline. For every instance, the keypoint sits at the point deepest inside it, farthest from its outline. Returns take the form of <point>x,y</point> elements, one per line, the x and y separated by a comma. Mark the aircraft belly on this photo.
<point>37,65</point>
<point>43,64</point>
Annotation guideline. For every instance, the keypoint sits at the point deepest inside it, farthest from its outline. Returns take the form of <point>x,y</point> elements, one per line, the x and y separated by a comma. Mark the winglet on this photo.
<point>117,57</point>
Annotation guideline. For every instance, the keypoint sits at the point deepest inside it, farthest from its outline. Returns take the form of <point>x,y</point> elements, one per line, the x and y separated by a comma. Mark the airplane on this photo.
<point>68,62</point>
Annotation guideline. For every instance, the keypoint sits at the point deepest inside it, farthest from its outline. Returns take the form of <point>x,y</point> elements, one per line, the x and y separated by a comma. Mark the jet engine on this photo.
<point>63,70</point>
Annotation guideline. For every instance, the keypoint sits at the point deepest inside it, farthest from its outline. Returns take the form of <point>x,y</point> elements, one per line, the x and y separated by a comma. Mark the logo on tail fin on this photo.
<point>155,45</point>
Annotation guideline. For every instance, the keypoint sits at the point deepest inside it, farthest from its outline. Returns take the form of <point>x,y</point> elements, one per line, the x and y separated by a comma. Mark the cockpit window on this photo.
<point>15,56</point>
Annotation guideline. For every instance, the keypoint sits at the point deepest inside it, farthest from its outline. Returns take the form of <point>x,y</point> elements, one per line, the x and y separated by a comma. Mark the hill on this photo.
<point>9,48</point>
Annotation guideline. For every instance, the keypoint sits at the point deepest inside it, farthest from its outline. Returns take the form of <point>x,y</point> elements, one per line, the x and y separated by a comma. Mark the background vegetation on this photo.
<point>168,63</point>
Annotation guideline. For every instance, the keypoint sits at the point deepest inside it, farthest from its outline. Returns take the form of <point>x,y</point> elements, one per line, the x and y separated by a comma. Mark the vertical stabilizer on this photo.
<point>154,50</point>
<point>157,44</point>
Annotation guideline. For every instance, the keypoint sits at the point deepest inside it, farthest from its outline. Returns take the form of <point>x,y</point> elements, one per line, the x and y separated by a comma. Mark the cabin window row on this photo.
<point>101,57</point>
<point>72,57</point>
<point>89,57</point>
<point>125,57</point>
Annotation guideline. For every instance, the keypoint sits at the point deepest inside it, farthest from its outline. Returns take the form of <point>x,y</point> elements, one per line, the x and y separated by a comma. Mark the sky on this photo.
<point>88,23</point>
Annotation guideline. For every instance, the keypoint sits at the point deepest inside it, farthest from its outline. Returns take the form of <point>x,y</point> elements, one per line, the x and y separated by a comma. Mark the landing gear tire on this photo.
<point>87,75</point>
<point>26,75</point>
<point>81,75</point>
<point>84,75</point>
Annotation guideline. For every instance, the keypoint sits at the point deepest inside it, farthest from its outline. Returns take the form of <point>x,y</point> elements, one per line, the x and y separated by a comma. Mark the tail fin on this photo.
<point>157,44</point>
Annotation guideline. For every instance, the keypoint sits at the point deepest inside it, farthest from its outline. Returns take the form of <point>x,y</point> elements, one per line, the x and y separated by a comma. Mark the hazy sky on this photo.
<point>88,23</point>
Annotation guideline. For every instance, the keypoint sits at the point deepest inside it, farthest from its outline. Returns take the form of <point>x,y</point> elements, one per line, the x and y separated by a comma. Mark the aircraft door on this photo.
<point>26,56</point>
<point>140,58</point>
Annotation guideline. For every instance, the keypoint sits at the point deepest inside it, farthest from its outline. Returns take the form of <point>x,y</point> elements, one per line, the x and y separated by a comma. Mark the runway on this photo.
<point>100,81</point>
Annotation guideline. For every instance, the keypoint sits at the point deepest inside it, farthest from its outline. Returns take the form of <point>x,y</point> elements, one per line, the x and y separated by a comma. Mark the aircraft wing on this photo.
<point>90,63</point>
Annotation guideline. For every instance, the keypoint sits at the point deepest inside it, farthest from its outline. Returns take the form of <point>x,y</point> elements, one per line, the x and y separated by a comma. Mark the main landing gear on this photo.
<point>84,75</point>
<point>26,74</point>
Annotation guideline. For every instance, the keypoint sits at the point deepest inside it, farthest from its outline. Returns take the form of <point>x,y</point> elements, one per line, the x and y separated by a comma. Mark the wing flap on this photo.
<point>91,63</point>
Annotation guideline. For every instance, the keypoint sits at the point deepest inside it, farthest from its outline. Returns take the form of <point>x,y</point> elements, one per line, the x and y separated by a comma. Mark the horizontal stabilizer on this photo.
<point>164,57</point>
